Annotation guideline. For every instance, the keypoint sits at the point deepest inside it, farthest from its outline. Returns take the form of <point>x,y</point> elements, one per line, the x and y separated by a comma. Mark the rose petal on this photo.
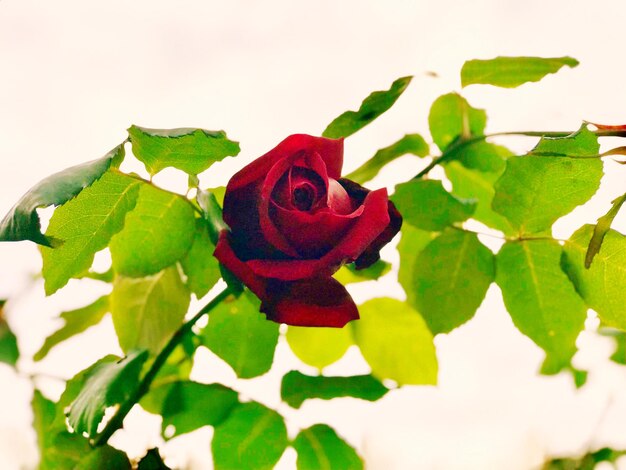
<point>271,233</point>
<point>312,302</point>
<point>313,234</point>
<point>364,231</point>
<point>321,302</point>
<point>241,214</point>
<point>225,255</point>
<point>338,199</point>
<point>330,150</point>
<point>372,252</point>
<point>298,177</point>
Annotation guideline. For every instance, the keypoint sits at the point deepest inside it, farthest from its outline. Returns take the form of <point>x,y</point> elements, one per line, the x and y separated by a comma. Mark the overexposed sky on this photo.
<point>74,75</point>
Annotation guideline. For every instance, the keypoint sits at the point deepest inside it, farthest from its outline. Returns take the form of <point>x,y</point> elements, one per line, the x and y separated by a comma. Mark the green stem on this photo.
<point>449,152</point>
<point>117,420</point>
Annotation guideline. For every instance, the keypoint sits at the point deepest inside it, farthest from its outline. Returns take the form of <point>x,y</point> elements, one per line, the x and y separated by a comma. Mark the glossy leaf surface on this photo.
<point>479,186</point>
<point>413,144</point>
<point>148,310</point>
<point>157,233</point>
<point>111,381</point>
<point>426,205</point>
<point>373,106</point>
<point>189,150</point>
<point>450,280</point>
<point>511,72</point>
<point>452,117</point>
<point>22,221</point>
<point>319,447</point>
<point>600,230</point>
<point>601,286</point>
<point>412,242</point>
<point>536,190</point>
<point>540,298</point>
<point>86,224</point>
<point>241,336</point>
<point>253,437</point>
<point>186,406</point>
<point>200,266</point>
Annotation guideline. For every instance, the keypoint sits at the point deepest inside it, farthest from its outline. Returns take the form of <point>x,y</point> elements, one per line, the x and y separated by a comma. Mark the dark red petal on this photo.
<point>270,231</point>
<point>312,235</point>
<point>241,214</point>
<point>330,150</point>
<point>364,231</point>
<point>225,255</point>
<point>289,270</point>
<point>322,302</point>
<point>372,253</point>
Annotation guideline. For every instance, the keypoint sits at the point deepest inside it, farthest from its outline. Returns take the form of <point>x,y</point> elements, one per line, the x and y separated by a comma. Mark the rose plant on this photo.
<point>293,231</point>
<point>294,222</point>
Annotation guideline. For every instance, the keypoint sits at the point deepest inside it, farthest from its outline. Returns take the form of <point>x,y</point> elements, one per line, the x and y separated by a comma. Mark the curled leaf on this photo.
<point>373,106</point>
<point>602,227</point>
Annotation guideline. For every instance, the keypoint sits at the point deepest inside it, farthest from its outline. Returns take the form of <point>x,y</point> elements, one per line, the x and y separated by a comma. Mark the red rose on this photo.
<point>294,222</point>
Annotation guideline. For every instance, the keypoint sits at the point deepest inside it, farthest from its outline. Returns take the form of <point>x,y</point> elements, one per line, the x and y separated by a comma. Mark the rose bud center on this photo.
<point>303,196</point>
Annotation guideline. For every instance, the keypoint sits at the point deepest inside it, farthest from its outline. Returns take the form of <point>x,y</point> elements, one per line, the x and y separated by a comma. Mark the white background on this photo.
<point>74,75</point>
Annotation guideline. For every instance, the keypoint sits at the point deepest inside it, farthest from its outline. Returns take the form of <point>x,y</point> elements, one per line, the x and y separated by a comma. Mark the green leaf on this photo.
<point>152,461</point>
<point>601,286</point>
<point>76,321</point>
<point>425,204</point>
<point>535,191</point>
<point>413,144</point>
<point>319,447</point>
<point>58,449</point>
<point>511,72</point>
<point>349,274</point>
<point>452,117</point>
<point>147,311</point>
<point>86,224</point>
<point>318,347</point>
<point>450,279</point>
<point>189,150</point>
<point>9,352</point>
<point>582,143</point>
<point>296,388</point>
<point>186,406</point>
<point>481,156</point>
<point>602,227</point>
<point>111,381</point>
<point>22,221</point>
<point>104,458</point>
<point>212,213</point>
<point>253,437</point>
<point>157,233</point>
<point>478,185</point>
<point>200,266</point>
<point>412,242</point>
<point>373,106</point>
<point>396,342</point>
<point>540,298</point>
<point>241,336</point>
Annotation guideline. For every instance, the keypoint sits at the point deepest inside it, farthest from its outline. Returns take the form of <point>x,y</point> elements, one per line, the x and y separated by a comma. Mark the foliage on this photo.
<point>161,245</point>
